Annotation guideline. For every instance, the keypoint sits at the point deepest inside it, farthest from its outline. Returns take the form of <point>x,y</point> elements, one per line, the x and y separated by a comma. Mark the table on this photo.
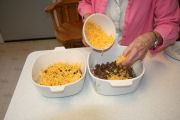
<point>157,97</point>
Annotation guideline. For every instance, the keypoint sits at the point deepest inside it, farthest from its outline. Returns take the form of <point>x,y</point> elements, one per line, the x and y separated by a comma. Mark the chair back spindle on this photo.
<point>67,22</point>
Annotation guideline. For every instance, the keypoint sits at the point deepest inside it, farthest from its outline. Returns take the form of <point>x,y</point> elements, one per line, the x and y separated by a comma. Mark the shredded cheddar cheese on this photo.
<point>120,59</point>
<point>123,76</point>
<point>60,74</point>
<point>97,37</point>
<point>116,77</point>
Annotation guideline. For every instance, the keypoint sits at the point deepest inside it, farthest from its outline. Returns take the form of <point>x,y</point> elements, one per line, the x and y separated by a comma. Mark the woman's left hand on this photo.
<point>138,48</point>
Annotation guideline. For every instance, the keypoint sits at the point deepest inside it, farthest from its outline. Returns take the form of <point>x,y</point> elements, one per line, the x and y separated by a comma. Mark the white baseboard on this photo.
<point>1,39</point>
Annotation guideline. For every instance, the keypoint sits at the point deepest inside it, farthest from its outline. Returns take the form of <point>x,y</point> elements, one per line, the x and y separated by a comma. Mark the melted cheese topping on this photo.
<point>97,37</point>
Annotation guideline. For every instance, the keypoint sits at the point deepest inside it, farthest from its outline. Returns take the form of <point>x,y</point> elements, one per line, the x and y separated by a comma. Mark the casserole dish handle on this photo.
<point>57,89</point>
<point>121,83</point>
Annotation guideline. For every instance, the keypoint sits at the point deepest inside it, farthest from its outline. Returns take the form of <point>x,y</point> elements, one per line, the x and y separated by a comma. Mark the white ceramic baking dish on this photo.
<point>63,55</point>
<point>113,87</point>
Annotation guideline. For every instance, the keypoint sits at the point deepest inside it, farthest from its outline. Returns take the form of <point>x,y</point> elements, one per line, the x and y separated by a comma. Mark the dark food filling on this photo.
<point>106,71</point>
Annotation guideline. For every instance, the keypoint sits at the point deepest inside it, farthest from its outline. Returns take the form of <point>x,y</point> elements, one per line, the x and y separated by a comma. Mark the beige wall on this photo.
<point>25,19</point>
<point>1,39</point>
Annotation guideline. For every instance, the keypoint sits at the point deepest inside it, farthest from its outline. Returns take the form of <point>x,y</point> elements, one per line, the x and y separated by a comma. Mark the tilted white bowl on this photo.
<point>106,24</point>
<point>67,56</point>
<point>113,87</point>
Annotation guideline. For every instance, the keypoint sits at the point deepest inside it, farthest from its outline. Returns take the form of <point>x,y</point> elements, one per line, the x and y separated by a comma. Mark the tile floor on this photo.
<point>12,59</point>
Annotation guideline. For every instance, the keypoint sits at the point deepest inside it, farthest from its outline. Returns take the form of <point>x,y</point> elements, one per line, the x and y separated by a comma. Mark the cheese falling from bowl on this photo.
<point>120,59</point>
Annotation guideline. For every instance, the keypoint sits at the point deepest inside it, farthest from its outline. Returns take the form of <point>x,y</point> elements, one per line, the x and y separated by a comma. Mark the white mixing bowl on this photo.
<point>105,23</point>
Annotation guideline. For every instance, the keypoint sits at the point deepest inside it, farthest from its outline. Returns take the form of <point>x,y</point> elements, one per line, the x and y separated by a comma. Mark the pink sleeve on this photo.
<point>85,6</point>
<point>167,19</point>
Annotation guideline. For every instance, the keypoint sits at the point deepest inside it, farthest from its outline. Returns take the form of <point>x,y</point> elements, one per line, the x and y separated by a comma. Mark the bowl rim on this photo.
<point>83,31</point>
<point>69,84</point>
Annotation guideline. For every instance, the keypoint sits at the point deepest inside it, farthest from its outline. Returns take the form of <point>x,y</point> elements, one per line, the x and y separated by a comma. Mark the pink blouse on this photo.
<point>141,16</point>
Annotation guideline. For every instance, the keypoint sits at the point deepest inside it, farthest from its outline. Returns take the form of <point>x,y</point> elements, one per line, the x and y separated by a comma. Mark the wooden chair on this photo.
<point>67,22</point>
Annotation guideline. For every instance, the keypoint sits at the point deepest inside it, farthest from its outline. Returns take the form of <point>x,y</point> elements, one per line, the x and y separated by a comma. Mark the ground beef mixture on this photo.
<point>111,71</point>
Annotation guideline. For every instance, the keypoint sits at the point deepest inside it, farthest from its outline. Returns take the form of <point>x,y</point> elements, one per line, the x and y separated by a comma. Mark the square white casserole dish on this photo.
<point>113,87</point>
<point>67,56</point>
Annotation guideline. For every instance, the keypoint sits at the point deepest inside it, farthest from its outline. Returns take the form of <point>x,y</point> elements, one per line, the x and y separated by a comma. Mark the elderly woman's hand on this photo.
<point>139,47</point>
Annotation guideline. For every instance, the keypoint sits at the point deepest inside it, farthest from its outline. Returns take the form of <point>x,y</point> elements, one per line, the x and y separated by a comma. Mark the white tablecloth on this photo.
<point>157,97</point>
